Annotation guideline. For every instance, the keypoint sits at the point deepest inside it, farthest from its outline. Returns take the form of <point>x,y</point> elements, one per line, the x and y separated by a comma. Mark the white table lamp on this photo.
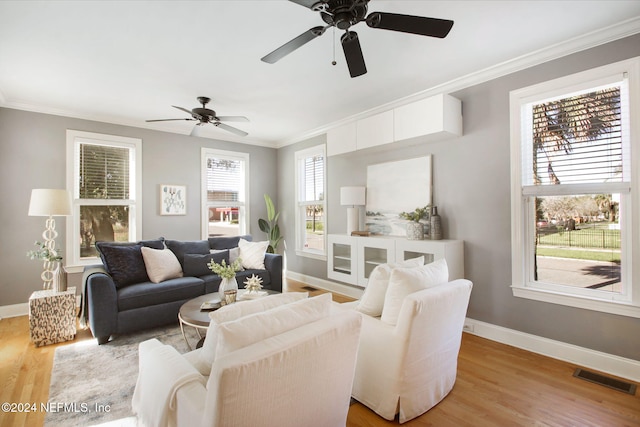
<point>49,202</point>
<point>353,197</point>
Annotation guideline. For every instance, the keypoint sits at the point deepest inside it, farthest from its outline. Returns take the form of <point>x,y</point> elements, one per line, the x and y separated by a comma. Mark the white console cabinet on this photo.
<point>353,258</point>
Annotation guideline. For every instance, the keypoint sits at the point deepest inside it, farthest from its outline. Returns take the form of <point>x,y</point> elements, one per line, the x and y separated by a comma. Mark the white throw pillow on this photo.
<point>252,254</point>
<point>161,264</point>
<point>233,312</point>
<point>405,281</point>
<point>251,329</point>
<point>372,299</point>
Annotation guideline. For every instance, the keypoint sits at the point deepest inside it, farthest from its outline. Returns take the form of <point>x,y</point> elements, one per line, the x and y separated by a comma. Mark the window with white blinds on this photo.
<point>573,191</point>
<point>104,180</point>
<point>225,178</point>
<point>310,202</point>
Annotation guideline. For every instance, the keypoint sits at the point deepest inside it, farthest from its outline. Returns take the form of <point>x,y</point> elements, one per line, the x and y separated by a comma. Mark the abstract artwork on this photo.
<point>395,187</point>
<point>173,200</point>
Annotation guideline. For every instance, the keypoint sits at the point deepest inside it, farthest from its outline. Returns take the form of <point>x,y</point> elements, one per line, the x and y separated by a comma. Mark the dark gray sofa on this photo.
<point>118,297</point>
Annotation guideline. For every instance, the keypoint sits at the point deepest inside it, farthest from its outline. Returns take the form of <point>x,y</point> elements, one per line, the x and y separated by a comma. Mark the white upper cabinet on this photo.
<point>375,130</point>
<point>434,118</point>
<point>342,139</point>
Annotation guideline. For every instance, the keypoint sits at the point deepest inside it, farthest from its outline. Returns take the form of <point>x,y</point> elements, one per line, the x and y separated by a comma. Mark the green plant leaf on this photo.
<point>264,226</point>
<point>271,210</point>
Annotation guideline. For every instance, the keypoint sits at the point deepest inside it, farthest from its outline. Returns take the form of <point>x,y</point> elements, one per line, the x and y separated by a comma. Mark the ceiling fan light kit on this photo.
<point>204,115</point>
<point>343,14</point>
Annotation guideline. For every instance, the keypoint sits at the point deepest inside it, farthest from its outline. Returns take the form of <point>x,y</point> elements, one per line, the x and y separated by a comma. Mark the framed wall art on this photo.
<point>173,199</point>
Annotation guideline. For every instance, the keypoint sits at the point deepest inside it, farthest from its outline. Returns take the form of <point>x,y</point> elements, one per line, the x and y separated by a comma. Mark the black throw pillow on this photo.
<point>123,262</point>
<point>196,264</point>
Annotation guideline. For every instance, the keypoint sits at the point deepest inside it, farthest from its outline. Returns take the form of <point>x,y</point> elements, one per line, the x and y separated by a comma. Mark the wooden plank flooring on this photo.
<point>497,385</point>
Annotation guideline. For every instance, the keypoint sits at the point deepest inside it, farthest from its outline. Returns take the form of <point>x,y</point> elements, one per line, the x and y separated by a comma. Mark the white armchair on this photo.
<point>300,375</point>
<point>409,367</point>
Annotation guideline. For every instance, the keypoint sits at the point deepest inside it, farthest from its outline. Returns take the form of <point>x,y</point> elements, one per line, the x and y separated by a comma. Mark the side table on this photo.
<point>52,316</point>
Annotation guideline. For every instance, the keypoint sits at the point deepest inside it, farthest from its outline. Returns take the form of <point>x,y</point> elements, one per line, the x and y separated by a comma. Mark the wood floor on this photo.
<point>497,385</point>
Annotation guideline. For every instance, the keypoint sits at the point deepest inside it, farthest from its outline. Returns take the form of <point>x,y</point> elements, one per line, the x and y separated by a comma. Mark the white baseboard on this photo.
<point>21,309</point>
<point>14,310</point>
<point>327,285</point>
<point>592,359</point>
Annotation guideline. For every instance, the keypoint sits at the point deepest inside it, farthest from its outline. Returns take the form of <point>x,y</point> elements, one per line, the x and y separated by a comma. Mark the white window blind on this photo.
<point>103,172</point>
<point>224,180</point>
<point>313,178</point>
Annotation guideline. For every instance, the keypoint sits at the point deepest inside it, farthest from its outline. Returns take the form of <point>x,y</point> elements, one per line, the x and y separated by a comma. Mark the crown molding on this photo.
<point>577,44</point>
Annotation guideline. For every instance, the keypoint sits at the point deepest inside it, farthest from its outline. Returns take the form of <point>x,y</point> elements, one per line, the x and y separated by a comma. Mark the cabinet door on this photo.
<point>342,264</point>
<point>375,130</point>
<point>341,139</point>
<point>451,250</point>
<point>371,253</point>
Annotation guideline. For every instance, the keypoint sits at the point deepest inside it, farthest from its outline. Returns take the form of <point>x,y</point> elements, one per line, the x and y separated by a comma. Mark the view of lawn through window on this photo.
<point>577,141</point>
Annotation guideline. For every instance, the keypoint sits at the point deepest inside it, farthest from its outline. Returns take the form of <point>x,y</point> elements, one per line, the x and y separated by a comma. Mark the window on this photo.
<point>103,176</point>
<point>574,190</point>
<point>225,191</point>
<point>310,202</point>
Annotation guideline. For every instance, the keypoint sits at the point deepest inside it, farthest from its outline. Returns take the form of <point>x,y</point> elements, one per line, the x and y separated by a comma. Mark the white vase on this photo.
<point>59,278</point>
<point>415,231</point>
<point>227,284</point>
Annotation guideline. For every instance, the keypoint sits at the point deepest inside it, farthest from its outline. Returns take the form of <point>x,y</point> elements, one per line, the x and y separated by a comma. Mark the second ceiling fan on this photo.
<point>343,14</point>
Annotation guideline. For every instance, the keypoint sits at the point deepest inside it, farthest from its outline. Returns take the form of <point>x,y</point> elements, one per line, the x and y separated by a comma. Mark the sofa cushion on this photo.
<point>372,299</point>
<point>256,327</point>
<point>236,311</point>
<point>252,253</point>
<point>124,263</point>
<point>146,294</point>
<point>405,281</point>
<point>180,248</point>
<point>161,264</point>
<point>223,242</point>
<point>196,264</point>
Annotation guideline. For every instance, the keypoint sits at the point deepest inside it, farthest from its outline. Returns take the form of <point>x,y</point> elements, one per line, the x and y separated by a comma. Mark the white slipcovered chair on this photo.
<point>407,358</point>
<point>290,365</point>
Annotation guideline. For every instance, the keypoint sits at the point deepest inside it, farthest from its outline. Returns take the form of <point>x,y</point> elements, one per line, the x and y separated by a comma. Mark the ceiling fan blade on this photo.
<point>420,25</point>
<point>230,129</point>
<point>353,54</point>
<point>232,119</point>
<point>196,130</point>
<point>182,109</point>
<point>166,120</point>
<point>294,44</point>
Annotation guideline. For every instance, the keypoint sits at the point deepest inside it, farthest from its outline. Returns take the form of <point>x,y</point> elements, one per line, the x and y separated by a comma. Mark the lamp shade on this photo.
<point>46,202</point>
<point>352,196</point>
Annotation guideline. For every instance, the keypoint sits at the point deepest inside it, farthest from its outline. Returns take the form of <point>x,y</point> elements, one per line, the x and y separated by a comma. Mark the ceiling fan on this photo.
<point>205,115</point>
<point>343,14</point>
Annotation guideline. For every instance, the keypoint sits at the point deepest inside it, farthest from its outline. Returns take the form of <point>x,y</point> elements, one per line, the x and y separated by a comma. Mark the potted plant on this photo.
<point>270,225</point>
<point>415,229</point>
<point>228,274</point>
<point>54,274</point>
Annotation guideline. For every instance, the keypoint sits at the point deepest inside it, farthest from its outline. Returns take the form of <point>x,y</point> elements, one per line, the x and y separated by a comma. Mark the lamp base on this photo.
<point>353,220</point>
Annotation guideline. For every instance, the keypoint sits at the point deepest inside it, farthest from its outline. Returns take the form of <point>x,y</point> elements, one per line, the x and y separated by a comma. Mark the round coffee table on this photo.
<point>191,314</point>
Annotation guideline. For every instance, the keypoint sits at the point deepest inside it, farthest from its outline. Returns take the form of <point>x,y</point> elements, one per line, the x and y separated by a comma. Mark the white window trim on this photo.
<point>299,223</point>
<point>629,305</point>
<point>74,139</point>
<point>244,220</point>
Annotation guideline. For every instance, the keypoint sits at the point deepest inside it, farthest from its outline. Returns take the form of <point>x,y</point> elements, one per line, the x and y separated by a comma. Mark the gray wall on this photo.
<point>471,179</point>
<point>32,155</point>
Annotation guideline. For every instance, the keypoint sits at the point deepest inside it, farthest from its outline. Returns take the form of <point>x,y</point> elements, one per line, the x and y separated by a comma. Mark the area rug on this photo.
<point>93,384</point>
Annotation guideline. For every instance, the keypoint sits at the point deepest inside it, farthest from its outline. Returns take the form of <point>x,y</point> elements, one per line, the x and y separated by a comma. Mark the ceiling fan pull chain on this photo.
<point>334,47</point>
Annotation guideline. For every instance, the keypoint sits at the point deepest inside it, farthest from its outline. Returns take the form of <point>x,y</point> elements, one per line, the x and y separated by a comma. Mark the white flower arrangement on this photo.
<point>225,271</point>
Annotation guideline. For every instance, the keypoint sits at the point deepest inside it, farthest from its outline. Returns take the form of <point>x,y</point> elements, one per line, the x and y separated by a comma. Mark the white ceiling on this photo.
<point>124,61</point>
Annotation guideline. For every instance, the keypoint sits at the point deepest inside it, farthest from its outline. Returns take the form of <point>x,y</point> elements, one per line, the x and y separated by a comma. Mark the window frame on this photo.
<point>300,222</point>
<point>626,303</point>
<point>74,139</point>
<point>244,213</point>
